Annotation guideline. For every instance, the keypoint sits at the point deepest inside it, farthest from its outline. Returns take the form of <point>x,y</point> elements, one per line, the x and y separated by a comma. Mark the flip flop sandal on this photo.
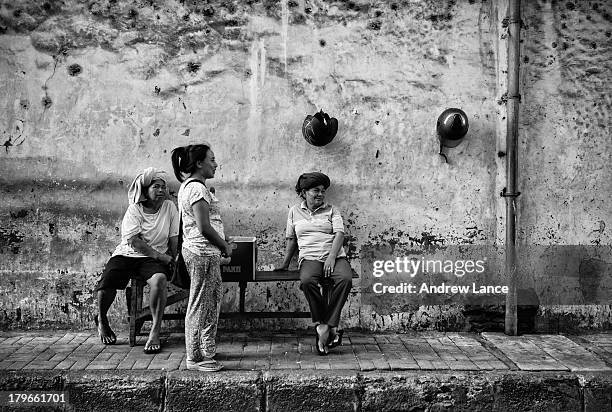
<point>205,366</point>
<point>152,349</point>
<point>336,340</point>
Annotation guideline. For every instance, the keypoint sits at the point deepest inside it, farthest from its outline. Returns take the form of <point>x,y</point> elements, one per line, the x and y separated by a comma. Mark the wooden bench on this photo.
<point>138,315</point>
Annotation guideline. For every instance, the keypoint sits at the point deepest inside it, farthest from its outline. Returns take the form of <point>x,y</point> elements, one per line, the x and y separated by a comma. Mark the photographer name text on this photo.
<point>411,267</point>
<point>442,288</point>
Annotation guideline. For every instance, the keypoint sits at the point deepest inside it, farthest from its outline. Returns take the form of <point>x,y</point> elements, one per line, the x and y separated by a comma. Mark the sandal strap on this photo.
<point>208,365</point>
<point>205,362</point>
<point>208,362</point>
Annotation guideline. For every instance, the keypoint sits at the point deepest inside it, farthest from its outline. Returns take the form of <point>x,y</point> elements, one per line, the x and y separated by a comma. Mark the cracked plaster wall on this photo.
<point>94,91</point>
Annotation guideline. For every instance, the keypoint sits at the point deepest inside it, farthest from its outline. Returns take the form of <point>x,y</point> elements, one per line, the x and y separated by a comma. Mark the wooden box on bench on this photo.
<point>243,264</point>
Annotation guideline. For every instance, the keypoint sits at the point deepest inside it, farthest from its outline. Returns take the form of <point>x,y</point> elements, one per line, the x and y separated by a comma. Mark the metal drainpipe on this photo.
<point>510,193</point>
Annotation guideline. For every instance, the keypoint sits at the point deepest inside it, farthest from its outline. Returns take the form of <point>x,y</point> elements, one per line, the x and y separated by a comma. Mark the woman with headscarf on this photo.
<point>316,228</point>
<point>149,236</point>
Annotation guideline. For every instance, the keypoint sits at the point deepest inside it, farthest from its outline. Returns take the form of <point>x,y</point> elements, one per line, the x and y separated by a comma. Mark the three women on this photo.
<point>150,230</point>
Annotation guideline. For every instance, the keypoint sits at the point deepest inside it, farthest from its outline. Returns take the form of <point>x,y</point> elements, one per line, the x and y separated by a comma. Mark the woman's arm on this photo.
<point>330,262</point>
<point>139,245</point>
<point>201,211</point>
<point>289,252</point>
<point>173,245</point>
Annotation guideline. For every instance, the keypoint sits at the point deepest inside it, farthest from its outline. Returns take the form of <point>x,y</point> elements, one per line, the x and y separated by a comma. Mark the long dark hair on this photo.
<point>184,159</point>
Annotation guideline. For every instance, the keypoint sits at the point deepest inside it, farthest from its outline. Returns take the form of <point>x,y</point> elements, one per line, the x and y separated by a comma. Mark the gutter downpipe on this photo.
<point>510,193</point>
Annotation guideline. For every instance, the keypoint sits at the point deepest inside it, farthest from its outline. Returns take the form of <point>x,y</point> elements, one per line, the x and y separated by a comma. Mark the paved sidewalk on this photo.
<point>266,351</point>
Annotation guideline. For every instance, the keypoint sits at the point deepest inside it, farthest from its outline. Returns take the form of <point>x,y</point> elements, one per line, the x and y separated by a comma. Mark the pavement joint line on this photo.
<point>491,348</point>
<point>588,345</point>
<point>571,361</point>
<point>462,349</point>
<point>428,340</point>
<point>531,353</point>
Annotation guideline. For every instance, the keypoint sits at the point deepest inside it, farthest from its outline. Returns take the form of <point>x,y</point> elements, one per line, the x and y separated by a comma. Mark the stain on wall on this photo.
<point>120,84</point>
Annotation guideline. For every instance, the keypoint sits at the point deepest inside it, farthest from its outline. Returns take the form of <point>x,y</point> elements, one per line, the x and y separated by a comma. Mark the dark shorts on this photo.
<point>120,269</point>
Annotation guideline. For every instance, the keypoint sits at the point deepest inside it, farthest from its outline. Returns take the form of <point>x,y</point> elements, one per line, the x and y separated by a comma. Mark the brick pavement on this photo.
<point>266,351</point>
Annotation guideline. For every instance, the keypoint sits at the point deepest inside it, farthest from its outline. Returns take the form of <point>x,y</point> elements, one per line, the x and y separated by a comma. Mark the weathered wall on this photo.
<point>94,91</point>
<point>565,145</point>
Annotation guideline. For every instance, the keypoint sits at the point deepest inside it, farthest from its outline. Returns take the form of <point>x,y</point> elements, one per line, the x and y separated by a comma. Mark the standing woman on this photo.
<point>317,229</point>
<point>203,245</point>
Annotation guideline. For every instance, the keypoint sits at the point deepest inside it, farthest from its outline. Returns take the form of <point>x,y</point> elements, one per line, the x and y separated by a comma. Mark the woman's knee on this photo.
<point>343,272</point>
<point>344,283</point>
<point>158,280</point>
<point>310,272</point>
<point>308,282</point>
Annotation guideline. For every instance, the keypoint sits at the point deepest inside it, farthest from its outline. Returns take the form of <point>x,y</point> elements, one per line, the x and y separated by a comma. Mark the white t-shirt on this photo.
<point>155,228</point>
<point>193,240</point>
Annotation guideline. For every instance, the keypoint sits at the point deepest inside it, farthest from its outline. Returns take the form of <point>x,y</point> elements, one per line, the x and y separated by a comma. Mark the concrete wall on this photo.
<point>565,135</point>
<point>94,91</point>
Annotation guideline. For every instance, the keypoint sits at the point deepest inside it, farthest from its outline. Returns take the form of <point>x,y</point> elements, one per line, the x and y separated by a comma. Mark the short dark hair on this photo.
<point>307,181</point>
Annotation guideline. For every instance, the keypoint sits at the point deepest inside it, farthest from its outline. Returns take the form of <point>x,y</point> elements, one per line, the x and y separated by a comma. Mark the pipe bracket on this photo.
<point>503,193</point>
<point>514,96</point>
<point>507,21</point>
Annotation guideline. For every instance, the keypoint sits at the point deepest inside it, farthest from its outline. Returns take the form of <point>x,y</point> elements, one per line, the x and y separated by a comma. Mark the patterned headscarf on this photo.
<point>136,192</point>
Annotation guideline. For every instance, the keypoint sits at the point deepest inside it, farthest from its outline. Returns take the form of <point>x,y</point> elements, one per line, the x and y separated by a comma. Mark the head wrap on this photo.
<point>136,192</point>
<point>309,180</point>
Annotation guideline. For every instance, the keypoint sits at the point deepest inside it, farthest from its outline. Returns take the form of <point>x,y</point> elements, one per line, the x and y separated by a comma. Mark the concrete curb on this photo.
<point>226,391</point>
<point>319,390</point>
<point>312,391</point>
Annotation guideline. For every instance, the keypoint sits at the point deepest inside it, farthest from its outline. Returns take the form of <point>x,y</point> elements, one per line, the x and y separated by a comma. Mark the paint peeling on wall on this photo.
<point>98,90</point>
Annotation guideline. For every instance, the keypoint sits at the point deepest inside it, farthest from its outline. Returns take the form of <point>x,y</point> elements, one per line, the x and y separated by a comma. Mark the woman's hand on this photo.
<point>289,252</point>
<point>139,245</point>
<point>328,266</point>
<point>165,259</point>
<point>227,249</point>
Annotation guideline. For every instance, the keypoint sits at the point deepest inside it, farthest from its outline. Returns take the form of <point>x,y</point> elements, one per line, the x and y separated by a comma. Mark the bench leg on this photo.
<point>131,315</point>
<point>135,308</point>
<point>243,286</point>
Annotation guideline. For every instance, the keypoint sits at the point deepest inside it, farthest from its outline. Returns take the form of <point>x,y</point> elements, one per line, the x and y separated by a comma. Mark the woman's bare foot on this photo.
<point>153,345</point>
<point>323,337</point>
<point>335,337</point>
<point>107,336</point>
